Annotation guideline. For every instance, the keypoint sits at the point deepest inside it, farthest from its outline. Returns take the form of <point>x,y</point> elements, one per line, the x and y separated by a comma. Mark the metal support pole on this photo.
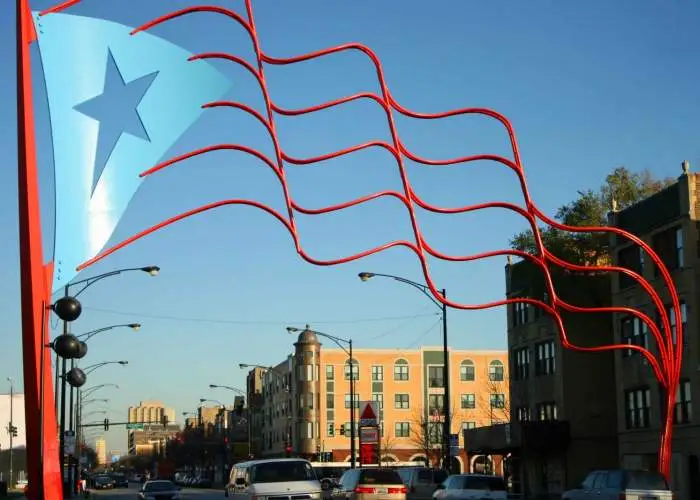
<point>62,425</point>
<point>12,431</point>
<point>352,408</point>
<point>56,379</point>
<point>71,427</point>
<point>447,462</point>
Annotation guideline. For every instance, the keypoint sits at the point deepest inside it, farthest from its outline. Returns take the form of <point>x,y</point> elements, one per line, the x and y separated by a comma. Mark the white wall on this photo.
<point>18,420</point>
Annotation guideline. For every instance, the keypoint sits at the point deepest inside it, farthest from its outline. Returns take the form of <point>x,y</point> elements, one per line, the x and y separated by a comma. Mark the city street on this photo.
<point>132,493</point>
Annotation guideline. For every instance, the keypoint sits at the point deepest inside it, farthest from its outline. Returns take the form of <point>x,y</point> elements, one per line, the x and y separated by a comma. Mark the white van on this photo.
<point>274,479</point>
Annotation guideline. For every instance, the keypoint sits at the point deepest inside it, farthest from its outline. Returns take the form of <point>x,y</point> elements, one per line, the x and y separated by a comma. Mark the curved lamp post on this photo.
<point>341,342</point>
<point>82,393</point>
<point>89,369</point>
<point>425,290</point>
<point>228,387</point>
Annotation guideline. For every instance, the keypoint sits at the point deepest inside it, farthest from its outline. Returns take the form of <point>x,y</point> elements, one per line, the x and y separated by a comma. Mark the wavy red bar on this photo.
<point>666,368</point>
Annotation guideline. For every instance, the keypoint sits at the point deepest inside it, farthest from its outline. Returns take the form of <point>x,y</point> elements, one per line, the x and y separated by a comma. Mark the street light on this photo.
<point>426,290</point>
<point>228,387</point>
<point>340,341</point>
<point>82,393</point>
<point>90,390</point>
<point>88,335</point>
<point>68,308</point>
<point>89,369</point>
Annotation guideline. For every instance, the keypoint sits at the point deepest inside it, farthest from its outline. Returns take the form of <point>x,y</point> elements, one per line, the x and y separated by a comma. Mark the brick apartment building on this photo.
<point>306,399</point>
<point>669,222</point>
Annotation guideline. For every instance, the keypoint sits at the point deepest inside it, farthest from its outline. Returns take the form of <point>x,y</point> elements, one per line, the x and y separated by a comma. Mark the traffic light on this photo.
<point>164,420</point>
<point>13,430</point>
<point>342,430</point>
<point>106,424</point>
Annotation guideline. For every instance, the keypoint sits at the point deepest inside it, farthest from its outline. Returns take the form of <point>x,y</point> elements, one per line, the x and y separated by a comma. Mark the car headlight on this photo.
<point>315,495</point>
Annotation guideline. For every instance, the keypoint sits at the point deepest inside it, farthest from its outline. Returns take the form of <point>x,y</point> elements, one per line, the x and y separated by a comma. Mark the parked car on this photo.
<point>370,484</point>
<point>472,486</point>
<point>622,485</point>
<point>421,481</point>
<point>120,480</point>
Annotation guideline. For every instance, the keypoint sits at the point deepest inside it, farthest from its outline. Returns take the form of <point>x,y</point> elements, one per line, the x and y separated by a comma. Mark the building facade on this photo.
<point>563,416</point>
<point>307,401</point>
<point>254,388</point>
<point>669,222</point>
<point>17,418</point>
<point>101,451</point>
<point>146,433</point>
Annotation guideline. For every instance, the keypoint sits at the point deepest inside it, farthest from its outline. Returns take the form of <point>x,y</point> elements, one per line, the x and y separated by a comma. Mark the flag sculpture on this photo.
<point>137,94</point>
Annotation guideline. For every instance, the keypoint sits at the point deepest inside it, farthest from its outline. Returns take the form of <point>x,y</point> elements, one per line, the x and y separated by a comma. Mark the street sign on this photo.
<point>69,442</point>
<point>369,435</point>
<point>368,417</point>
<point>135,427</point>
<point>454,445</point>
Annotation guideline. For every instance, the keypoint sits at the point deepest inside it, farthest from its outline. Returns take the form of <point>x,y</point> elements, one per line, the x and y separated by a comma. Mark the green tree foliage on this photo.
<point>621,187</point>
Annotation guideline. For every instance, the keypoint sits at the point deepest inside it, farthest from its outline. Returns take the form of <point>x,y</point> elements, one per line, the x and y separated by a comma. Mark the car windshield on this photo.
<point>281,472</point>
<point>159,486</point>
<point>380,476</point>
<point>102,479</point>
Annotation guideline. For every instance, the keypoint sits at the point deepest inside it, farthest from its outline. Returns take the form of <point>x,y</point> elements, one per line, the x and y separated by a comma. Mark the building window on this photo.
<point>401,370</point>
<point>348,399</point>
<point>436,403</point>
<point>330,401</point>
<point>466,371</point>
<point>670,247</point>
<point>683,413</point>
<point>631,258</point>
<point>379,398</point>
<point>520,311</point>
<point>634,332</point>
<point>330,372</point>
<point>377,373</point>
<point>468,401</point>
<point>544,361</point>
<point>306,430</point>
<point>330,429</point>
<point>672,319</point>
<point>523,414</point>
<point>402,429</point>
<point>547,411</point>
<point>497,400</point>
<point>496,371</point>
<point>521,359</point>
<point>468,425</point>
<point>436,376</point>
<point>401,401</point>
<point>355,370</point>
<point>435,432</point>
<point>637,404</point>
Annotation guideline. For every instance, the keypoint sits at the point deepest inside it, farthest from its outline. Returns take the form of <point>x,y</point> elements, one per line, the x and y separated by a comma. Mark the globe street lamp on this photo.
<point>425,290</point>
<point>340,343</point>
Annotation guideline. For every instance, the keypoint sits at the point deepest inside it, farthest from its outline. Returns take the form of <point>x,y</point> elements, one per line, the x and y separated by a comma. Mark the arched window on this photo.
<point>466,371</point>
<point>355,370</point>
<point>401,370</point>
<point>496,371</point>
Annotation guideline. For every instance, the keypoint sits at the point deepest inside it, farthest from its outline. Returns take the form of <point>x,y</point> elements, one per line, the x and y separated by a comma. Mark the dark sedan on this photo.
<point>103,482</point>
<point>120,481</point>
<point>159,490</point>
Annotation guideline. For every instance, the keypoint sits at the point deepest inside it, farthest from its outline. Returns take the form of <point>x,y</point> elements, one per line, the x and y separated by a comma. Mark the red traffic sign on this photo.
<point>368,417</point>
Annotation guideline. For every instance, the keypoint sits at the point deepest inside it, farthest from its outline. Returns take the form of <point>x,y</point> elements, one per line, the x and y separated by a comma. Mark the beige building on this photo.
<point>146,433</point>
<point>668,222</point>
<point>101,451</point>
<point>307,402</point>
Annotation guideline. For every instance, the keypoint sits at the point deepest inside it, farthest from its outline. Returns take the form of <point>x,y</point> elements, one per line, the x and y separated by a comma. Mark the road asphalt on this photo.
<point>132,494</point>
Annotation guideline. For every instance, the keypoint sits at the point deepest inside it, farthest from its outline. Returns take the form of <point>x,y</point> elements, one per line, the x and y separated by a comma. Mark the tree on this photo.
<point>621,189</point>
<point>425,435</point>
<point>385,445</point>
<point>500,413</point>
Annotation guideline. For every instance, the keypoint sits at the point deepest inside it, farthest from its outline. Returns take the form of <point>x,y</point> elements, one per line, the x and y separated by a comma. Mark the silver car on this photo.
<point>621,485</point>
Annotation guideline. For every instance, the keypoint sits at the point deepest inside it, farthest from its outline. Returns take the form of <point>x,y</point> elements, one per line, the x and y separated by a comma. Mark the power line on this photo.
<point>254,322</point>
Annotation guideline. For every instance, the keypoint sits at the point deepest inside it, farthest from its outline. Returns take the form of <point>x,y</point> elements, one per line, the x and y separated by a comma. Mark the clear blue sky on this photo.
<point>588,85</point>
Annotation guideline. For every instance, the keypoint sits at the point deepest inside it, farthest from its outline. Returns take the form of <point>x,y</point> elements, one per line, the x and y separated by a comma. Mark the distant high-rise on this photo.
<point>150,412</point>
<point>146,432</point>
<point>101,450</point>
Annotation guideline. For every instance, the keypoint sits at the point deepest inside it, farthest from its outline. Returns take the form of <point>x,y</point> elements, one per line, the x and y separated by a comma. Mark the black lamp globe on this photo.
<point>67,346</point>
<point>67,308</point>
<point>82,351</point>
<point>76,377</point>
